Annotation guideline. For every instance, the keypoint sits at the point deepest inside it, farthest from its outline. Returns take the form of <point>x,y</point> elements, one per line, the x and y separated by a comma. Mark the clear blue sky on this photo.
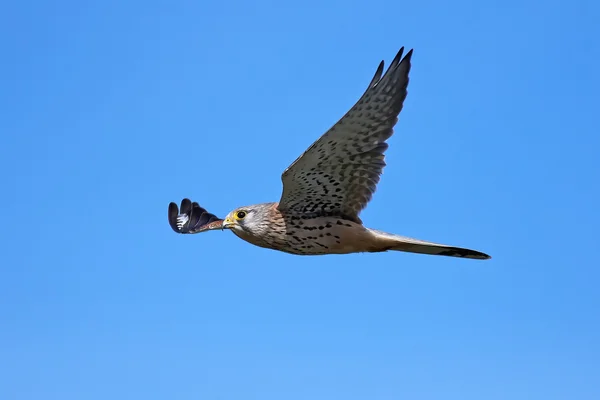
<point>109,111</point>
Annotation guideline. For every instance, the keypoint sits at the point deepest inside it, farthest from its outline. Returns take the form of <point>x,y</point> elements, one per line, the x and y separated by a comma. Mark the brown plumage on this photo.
<point>327,187</point>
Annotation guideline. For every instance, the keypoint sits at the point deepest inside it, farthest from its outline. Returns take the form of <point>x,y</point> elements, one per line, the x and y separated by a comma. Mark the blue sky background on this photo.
<point>110,110</point>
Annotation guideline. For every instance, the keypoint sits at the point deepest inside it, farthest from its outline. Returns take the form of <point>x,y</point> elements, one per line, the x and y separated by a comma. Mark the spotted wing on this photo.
<point>192,218</point>
<point>338,174</point>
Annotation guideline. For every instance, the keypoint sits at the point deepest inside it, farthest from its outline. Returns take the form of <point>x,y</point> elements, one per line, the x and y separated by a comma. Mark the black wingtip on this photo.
<point>173,213</point>
<point>396,62</point>
<point>186,206</point>
<point>397,59</point>
<point>406,60</point>
<point>190,217</point>
<point>408,55</point>
<point>477,255</point>
<point>465,253</point>
<point>185,209</point>
<point>377,75</point>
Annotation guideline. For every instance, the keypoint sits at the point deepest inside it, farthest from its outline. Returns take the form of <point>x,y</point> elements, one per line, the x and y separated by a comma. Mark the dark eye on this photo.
<point>241,214</point>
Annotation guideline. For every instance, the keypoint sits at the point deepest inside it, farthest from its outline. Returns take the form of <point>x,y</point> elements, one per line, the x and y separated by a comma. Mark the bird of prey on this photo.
<point>325,189</point>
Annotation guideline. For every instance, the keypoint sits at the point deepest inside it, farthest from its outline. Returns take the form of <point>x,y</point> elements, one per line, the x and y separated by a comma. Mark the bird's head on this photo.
<point>248,219</point>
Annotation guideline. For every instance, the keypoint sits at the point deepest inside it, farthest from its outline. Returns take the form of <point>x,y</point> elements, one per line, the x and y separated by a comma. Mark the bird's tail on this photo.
<point>403,243</point>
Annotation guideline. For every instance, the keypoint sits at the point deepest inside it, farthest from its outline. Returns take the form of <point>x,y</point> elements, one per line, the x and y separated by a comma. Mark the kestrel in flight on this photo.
<point>326,188</point>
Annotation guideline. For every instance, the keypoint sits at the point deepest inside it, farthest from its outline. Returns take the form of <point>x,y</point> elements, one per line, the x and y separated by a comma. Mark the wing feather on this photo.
<point>191,218</point>
<point>338,174</point>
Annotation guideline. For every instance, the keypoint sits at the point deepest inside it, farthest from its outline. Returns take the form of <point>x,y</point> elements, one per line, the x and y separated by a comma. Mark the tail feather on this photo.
<point>403,243</point>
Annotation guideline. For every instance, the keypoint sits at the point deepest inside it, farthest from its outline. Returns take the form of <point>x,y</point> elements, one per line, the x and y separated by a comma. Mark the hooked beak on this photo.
<point>228,223</point>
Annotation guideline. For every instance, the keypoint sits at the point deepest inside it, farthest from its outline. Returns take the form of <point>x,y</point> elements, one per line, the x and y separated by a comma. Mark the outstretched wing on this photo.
<point>338,174</point>
<point>412,245</point>
<point>192,218</point>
